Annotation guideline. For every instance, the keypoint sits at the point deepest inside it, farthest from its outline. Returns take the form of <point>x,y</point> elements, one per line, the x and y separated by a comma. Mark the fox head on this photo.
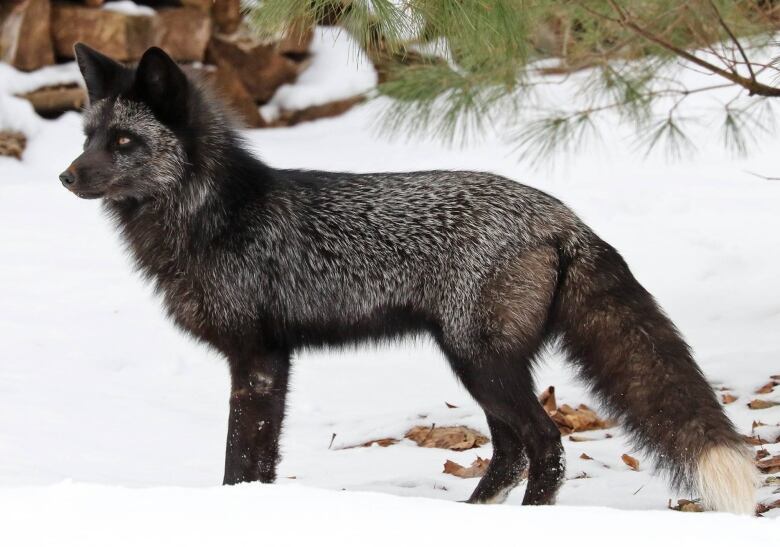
<point>138,127</point>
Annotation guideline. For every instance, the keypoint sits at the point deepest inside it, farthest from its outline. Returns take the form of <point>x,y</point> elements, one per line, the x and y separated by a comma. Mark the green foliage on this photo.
<point>621,56</point>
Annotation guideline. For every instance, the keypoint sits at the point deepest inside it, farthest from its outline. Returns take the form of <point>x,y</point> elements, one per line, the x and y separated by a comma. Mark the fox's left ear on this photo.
<point>162,85</point>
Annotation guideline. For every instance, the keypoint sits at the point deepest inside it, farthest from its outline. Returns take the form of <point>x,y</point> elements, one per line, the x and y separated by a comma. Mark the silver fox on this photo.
<point>258,262</point>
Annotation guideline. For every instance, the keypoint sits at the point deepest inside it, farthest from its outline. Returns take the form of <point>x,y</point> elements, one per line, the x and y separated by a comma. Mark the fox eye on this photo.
<point>123,140</point>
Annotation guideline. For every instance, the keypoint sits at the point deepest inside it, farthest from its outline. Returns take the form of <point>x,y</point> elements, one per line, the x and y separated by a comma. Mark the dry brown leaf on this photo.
<point>630,461</point>
<point>570,419</point>
<point>477,468</point>
<point>769,465</point>
<point>688,506</point>
<point>767,388</point>
<point>452,438</point>
<point>762,453</point>
<point>728,398</point>
<point>763,507</point>
<point>753,440</point>
<point>450,405</point>
<point>387,441</point>
<point>547,398</point>
<point>760,404</point>
<point>579,439</point>
<point>584,456</point>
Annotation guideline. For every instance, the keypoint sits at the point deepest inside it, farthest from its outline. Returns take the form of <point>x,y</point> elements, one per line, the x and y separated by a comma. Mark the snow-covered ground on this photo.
<point>112,423</point>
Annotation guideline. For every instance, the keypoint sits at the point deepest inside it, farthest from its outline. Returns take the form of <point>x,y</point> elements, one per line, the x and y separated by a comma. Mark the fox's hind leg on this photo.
<point>257,397</point>
<point>492,350</point>
<point>517,422</point>
<point>506,465</point>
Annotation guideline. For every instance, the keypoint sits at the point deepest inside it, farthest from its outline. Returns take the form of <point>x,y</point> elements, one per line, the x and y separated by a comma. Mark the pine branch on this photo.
<point>753,86</point>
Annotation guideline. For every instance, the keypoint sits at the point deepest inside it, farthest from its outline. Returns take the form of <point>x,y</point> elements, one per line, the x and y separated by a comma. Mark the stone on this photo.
<point>119,35</point>
<point>296,43</point>
<point>227,15</point>
<point>12,144</point>
<point>182,32</point>
<point>226,84</point>
<point>25,34</point>
<point>51,101</point>
<point>203,5</point>
<point>261,67</point>
<point>287,118</point>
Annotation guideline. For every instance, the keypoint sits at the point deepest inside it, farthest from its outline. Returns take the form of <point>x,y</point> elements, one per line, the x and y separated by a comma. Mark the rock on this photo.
<point>227,15</point>
<point>25,35</point>
<point>182,32</point>
<point>51,101</point>
<point>203,5</point>
<point>119,35</point>
<point>12,144</point>
<point>296,43</point>
<point>227,85</point>
<point>261,67</point>
<point>328,110</point>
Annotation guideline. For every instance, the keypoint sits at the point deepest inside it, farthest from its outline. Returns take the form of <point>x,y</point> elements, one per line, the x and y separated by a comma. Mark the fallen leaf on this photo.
<point>688,506</point>
<point>570,419</point>
<point>760,404</point>
<point>762,453</point>
<point>547,398</point>
<point>387,441</point>
<point>584,456</point>
<point>450,405</point>
<point>763,508</point>
<point>767,388</point>
<point>477,468</point>
<point>754,440</point>
<point>632,462</point>
<point>452,438</point>
<point>579,439</point>
<point>769,465</point>
<point>728,398</point>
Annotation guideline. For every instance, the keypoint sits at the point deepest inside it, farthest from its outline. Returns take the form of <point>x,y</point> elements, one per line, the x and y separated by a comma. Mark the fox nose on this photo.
<point>67,178</point>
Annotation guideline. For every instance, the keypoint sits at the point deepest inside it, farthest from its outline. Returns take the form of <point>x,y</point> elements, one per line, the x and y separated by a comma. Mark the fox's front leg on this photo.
<point>258,389</point>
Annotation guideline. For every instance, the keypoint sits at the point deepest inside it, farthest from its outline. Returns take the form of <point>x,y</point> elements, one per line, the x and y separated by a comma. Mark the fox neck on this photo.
<point>166,233</point>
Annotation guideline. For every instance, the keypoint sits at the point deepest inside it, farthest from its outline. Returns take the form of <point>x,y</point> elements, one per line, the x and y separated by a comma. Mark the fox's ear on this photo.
<point>162,85</point>
<point>101,73</point>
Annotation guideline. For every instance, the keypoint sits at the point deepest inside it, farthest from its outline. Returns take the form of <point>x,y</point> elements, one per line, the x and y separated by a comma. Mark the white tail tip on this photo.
<point>727,480</point>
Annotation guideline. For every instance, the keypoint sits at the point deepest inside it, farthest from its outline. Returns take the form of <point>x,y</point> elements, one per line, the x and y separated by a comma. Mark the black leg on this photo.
<point>506,465</point>
<point>258,390</point>
<point>505,391</point>
<point>547,462</point>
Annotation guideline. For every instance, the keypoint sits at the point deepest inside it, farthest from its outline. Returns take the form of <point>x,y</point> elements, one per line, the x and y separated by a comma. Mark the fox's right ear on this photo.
<point>101,73</point>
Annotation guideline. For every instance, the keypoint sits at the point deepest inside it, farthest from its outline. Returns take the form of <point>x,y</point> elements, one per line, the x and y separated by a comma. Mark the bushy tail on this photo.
<point>638,364</point>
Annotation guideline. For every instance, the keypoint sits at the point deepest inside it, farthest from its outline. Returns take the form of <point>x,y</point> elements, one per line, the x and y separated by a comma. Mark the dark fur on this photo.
<point>259,262</point>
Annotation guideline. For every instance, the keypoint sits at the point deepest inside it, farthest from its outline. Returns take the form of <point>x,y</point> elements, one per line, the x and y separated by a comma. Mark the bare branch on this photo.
<point>753,86</point>
<point>733,39</point>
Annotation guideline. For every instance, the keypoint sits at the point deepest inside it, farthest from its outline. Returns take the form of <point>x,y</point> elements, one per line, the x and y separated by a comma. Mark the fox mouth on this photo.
<point>88,195</point>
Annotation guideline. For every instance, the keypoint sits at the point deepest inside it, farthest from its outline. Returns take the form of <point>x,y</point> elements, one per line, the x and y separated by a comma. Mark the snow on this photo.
<point>282,516</point>
<point>112,423</point>
<point>128,7</point>
<point>338,70</point>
